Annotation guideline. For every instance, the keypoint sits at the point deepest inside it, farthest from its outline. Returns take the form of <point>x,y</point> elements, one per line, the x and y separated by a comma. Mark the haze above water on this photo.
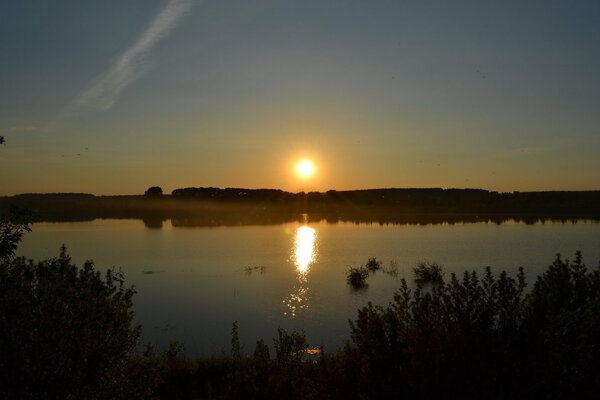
<point>193,283</point>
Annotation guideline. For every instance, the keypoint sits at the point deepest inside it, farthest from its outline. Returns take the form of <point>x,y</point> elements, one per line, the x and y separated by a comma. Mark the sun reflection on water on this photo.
<point>303,255</point>
<point>304,249</point>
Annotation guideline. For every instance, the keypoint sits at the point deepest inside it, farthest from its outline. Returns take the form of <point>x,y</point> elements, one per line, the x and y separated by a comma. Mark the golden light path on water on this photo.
<point>303,255</point>
<point>304,249</point>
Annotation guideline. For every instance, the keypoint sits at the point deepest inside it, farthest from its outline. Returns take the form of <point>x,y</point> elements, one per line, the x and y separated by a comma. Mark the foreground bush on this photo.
<point>67,333</point>
<point>483,337</point>
<point>12,228</point>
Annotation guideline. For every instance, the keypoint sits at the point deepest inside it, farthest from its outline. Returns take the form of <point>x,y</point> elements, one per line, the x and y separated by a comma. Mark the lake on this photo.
<point>193,283</point>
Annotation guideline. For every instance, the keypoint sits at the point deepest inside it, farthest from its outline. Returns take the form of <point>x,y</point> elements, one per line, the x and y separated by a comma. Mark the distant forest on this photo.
<point>237,206</point>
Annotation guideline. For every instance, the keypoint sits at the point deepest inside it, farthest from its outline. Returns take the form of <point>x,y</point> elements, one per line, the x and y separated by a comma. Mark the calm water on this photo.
<point>193,283</point>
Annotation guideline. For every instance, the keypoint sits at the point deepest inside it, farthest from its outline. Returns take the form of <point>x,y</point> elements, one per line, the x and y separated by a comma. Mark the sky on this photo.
<point>113,97</point>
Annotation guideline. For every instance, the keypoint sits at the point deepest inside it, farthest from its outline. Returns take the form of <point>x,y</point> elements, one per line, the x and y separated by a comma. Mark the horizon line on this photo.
<point>307,192</point>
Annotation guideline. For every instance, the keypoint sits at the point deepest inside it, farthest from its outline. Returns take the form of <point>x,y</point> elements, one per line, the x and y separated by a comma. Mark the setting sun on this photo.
<point>305,168</point>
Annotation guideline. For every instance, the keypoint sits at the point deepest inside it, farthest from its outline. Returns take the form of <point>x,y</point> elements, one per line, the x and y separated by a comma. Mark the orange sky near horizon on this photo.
<point>112,99</point>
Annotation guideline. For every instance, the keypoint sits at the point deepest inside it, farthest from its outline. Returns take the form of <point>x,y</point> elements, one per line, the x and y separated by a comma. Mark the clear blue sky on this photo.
<point>111,97</point>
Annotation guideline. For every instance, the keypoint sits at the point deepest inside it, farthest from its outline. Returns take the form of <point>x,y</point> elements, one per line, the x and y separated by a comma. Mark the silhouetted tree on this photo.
<point>67,331</point>
<point>12,228</point>
<point>154,191</point>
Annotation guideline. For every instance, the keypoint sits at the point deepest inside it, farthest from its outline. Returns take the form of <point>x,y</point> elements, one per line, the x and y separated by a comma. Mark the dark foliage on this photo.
<point>562,329</point>
<point>428,273</point>
<point>236,347</point>
<point>373,264</point>
<point>289,348</point>
<point>288,375</point>
<point>357,277</point>
<point>154,191</point>
<point>485,337</point>
<point>12,228</point>
<point>67,333</point>
<point>235,206</point>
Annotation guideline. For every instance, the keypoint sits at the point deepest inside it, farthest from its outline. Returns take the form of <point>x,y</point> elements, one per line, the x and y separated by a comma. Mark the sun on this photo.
<point>305,168</point>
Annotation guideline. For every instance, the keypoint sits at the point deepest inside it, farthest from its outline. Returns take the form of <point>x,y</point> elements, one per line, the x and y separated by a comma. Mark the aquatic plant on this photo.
<point>392,270</point>
<point>373,264</point>
<point>357,277</point>
<point>425,273</point>
<point>257,268</point>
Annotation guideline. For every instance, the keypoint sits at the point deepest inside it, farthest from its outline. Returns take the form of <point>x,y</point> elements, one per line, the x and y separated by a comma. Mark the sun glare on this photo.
<point>305,168</point>
<point>304,251</point>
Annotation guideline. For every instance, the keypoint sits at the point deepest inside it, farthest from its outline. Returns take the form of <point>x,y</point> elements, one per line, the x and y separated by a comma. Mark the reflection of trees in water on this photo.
<point>416,207</point>
<point>153,223</point>
<point>217,220</point>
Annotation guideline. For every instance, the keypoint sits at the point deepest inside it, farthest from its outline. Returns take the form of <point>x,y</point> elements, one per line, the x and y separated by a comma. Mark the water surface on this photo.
<point>193,283</point>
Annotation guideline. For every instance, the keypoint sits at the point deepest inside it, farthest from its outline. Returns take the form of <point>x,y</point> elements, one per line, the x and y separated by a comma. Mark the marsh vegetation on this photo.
<point>69,333</point>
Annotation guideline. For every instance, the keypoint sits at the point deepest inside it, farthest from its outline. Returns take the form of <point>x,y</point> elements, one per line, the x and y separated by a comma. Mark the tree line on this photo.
<point>200,205</point>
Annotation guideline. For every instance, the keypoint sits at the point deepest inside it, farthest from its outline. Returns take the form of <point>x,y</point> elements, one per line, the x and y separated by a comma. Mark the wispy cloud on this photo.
<point>104,90</point>
<point>21,129</point>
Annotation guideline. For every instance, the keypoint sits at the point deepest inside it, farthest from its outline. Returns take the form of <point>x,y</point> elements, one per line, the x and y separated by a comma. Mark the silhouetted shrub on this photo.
<point>357,277</point>
<point>261,353</point>
<point>289,348</point>
<point>12,228</point>
<point>373,264</point>
<point>562,325</point>
<point>428,273</point>
<point>475,337</point>
<point>67,332</point>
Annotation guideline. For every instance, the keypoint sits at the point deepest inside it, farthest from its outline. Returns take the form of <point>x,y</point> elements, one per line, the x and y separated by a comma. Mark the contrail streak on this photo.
<point>104,90</point>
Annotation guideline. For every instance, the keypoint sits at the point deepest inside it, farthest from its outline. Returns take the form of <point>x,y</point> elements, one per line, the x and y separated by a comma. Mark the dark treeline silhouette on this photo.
<point>236,206</point>
<point>433,200</point>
